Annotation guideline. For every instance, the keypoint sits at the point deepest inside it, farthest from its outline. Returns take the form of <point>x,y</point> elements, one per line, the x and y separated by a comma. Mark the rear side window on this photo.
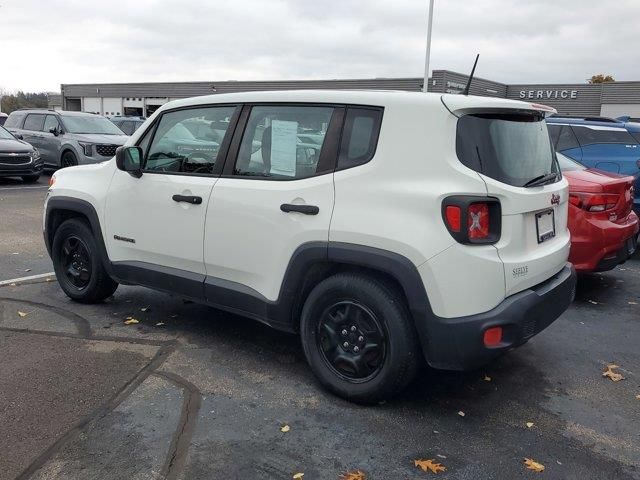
<point>14,120</point>
<point>594,134</point>
<point>510,148</point>
<point>34,122</point>
<point>359,137</point>
<point>566,140</point>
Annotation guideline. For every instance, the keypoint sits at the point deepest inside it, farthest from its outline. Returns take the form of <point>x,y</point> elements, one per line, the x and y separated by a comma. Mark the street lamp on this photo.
<point>425,85</point>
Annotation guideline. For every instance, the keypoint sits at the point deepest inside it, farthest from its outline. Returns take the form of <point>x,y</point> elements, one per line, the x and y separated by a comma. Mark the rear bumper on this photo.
<point>599,245</point>
<point>457,343</point>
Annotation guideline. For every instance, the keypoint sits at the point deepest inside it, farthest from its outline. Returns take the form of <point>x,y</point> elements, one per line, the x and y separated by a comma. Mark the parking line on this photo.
<point>26,279</point>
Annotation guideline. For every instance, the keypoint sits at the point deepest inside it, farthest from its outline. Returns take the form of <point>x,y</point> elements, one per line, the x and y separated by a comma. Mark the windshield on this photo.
<point>566,164</point>
<point>5,135</point>
<point>90,124</point>
<point>511,148</point>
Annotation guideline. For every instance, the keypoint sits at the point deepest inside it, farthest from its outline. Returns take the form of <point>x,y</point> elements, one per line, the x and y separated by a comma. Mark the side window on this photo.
<point>554,134</point>
<point>283,142</point>
<point>50,122</point>
<point>34,122</point>
<point>593,135</point>
<point>360,136</point>
<point>179,147</point>
<point>566,140</point>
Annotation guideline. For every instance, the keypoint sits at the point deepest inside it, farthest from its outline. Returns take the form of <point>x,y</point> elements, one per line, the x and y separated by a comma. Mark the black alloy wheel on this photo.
<point>352,341</point>
<point>76,262</point>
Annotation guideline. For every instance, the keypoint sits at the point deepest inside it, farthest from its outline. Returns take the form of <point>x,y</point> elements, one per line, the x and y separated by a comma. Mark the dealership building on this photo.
<point>142,99</point>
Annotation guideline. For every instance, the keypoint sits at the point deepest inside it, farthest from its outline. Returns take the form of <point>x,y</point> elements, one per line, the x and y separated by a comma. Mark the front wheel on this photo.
<point>358,337</point>
<point>68,159</point>
<point>78,265</point>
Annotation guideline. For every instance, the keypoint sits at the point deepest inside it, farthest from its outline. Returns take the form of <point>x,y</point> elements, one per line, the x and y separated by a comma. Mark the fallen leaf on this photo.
<point>461,413</point>
<point>614,376</point>
<point>159,324</point>
<point>638,397</point>
<point>357,475</point>
<point>22,314</point>
<point>285,428</point>
<point>145,309</point>
<point>429,465</point>
<point>533,465</point>
<point>298,475</point>
<point>529,424</point>
<point>130,321</point>
<point>487,378</point>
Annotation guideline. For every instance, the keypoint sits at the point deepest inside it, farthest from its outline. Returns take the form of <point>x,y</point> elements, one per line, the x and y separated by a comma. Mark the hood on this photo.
<point>99,138</point>
<point>14,146</point>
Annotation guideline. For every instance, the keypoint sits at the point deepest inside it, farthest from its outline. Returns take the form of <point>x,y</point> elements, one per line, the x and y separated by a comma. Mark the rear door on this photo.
<point>510,149</point>
<point>276,194</point>
<point>32,129</point>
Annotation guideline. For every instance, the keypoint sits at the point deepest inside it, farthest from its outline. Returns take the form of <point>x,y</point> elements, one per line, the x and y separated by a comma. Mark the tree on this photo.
<point>601,78</point>
<point>14,101</point>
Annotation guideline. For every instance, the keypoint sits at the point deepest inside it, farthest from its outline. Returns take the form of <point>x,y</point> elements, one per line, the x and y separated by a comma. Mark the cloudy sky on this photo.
<point>45,43</point>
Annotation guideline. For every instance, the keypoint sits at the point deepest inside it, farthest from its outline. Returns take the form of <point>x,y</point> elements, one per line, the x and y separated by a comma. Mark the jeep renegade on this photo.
<point>383,227</point>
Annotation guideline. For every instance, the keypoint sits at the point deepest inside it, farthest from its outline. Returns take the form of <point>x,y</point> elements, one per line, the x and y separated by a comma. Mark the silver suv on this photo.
<point>65,139</point>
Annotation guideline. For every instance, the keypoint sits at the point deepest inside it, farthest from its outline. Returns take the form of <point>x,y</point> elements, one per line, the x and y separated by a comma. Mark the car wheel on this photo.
<point>30,178</point>
<point>358,338</point>
<point>68,159</point>
<point>78,265</point>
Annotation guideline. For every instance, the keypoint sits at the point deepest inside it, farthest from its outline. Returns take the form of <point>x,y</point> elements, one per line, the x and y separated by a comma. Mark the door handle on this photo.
<point>192,199</point>
<point>306,209</point>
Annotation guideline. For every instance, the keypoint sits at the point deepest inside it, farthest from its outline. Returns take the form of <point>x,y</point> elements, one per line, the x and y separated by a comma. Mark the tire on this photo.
<point>78,265</point>
<point>30,178</point>
<point>68,159</point>
<point>359,372</point>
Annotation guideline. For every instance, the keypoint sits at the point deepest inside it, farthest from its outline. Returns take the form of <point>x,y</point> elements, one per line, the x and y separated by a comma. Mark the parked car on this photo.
<point>18,158</point>
<point>604,228</point>
<point>598,142</point>
<point>403,222</point>
<point>127,124</point>
<point>3,118</point>
<point>66,139</point>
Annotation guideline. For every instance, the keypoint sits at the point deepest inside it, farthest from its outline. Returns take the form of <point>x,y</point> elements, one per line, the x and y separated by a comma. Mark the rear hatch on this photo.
<point>507,143</point>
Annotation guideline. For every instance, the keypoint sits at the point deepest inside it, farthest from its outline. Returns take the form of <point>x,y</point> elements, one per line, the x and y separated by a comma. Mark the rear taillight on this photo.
<point>594,202</point>
<point>472,220</point>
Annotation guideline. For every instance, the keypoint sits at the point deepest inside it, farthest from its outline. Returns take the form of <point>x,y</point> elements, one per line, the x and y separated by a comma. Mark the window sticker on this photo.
<point>284,140</point>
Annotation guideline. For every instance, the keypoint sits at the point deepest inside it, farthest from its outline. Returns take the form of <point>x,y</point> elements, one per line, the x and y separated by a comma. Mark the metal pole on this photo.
<point>425,86</point>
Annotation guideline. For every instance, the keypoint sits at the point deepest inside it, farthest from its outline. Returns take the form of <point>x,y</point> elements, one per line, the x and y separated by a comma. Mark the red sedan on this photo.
<point>603,227</point>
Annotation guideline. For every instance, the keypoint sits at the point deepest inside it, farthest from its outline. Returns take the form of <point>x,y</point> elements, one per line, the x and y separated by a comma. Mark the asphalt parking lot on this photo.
<point>193,393</point>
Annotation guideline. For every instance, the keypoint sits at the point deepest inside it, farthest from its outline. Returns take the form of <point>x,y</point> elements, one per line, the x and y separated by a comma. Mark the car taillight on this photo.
<point>472,220</point>
<point>594,202</point>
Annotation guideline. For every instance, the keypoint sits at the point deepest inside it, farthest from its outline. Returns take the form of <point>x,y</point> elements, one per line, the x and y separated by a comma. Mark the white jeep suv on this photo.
<point>380,226</point>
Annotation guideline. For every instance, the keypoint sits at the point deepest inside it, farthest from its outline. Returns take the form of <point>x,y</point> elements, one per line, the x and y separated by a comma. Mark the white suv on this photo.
<point>380,226</point>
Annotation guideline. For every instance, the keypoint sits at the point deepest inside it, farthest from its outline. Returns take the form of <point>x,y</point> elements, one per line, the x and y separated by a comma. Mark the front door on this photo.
<point>50,143</point>
<point>276,196</point>
<point>155,223</point>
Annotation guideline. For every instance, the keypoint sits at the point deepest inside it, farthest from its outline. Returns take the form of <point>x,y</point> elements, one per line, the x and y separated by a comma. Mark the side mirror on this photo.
<point>18,136</point>
<point>54,130</point>
<point>129,159</point>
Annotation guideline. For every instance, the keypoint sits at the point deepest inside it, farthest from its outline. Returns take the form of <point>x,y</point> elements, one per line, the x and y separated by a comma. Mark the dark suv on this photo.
<point>18,158</point>
<point>65,139</point>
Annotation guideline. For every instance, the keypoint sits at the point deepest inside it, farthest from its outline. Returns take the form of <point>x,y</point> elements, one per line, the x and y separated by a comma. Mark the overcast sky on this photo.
<point>44,44</point>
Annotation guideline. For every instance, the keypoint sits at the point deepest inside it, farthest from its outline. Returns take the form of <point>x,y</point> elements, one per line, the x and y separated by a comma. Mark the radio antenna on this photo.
<point>473,70</point>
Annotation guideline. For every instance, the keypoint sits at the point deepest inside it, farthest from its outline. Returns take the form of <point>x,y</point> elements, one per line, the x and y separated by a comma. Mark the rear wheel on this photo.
<point>30,178</point>
<point>68,159</point>
<point>358,338</point>
<point>78,265</point>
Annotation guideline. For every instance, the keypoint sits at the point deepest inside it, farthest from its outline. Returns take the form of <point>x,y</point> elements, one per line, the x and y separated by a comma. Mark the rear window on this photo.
<point>568,165</point>
<point>510,148</point>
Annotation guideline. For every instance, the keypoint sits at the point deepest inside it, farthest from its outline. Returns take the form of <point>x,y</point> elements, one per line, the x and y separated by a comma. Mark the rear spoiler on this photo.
<point>460,105</point>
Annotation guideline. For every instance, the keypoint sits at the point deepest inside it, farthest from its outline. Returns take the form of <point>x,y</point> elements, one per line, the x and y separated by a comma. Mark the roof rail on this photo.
<point>36,108</point>
<point>588,119</point>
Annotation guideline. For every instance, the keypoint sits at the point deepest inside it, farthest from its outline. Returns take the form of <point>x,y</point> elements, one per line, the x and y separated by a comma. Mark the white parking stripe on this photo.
<point>23,188</point>
<point>26,279</point>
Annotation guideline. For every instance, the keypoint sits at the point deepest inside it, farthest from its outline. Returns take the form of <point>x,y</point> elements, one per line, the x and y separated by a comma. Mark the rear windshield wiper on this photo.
<point>541,180</point>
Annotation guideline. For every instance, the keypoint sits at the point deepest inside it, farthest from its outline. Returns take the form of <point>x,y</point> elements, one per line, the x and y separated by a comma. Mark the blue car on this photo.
<point>598,142</point>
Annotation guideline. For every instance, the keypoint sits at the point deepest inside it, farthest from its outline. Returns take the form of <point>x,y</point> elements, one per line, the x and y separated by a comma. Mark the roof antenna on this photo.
<point>473,70</point>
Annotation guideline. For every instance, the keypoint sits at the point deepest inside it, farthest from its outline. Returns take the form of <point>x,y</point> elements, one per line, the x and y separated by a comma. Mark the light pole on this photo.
<point>425,85</point>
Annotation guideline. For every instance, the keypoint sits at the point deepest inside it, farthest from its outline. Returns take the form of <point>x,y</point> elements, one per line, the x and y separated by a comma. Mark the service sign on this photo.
<point>549,94</point>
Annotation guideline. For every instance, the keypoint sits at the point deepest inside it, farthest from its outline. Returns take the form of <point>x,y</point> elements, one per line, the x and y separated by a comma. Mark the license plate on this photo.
<point>545,225</point>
